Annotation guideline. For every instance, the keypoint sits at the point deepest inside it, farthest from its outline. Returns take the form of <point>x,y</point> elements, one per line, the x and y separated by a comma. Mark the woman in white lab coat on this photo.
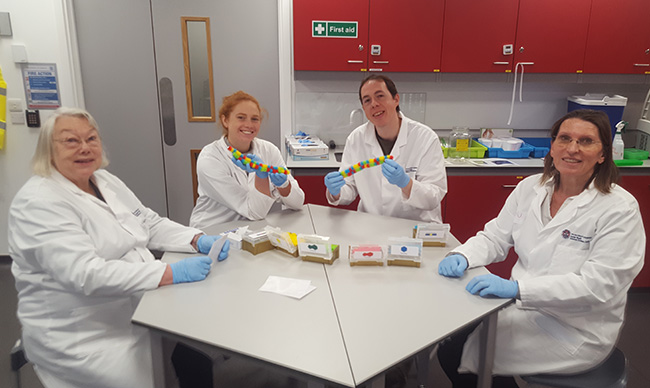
<point>580,241</point>
<point>80,240</point>
<point>413,184</point>
<point>229,190</point>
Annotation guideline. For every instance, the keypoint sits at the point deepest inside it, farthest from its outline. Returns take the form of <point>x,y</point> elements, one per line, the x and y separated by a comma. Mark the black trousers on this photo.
<point>193,368</point>
<point>449,355</point>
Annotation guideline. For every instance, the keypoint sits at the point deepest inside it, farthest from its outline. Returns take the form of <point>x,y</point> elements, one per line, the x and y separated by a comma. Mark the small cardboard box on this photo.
<point>373,255</point>
<point>256,248</point>
<point>403,263</point>
<point>432,235</point>
<point>404,251</point>
<point>335,255</point>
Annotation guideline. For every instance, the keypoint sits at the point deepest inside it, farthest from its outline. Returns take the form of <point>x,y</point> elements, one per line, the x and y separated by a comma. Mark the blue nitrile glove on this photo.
<point>204,243</point>
<point>191,269</point>
<point>334,181</point>
<point>241,165</point>
<point>258,160</point>
<point>453,266</point>
<point>278,179</point>
<point>491,284</point>
<point>223,255</point>
<point>395,173</point>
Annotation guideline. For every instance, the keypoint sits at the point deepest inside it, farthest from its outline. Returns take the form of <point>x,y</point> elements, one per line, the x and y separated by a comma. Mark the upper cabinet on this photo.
<point>619,37</point>
<point>492,36</point>
<point>367,35</point>
<point>552,35</point>
<point>479,36</point>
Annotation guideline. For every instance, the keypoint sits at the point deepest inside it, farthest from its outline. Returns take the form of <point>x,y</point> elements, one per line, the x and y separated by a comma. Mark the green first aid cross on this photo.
<point>329,29</point>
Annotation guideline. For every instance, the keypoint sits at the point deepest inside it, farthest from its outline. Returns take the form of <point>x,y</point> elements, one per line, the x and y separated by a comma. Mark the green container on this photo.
<point>633,153</point>
<point>476,150</point>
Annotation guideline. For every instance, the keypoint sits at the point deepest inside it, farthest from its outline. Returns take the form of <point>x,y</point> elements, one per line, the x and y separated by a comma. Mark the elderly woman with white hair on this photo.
<point>80,240</point>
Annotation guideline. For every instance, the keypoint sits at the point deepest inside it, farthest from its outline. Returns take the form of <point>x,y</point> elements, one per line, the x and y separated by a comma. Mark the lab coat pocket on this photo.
<point>568,257</point>
<point>564,335</point>
<point>102,325</point>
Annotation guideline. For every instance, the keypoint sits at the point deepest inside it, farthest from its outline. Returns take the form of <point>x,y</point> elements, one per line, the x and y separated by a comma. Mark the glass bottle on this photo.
<point>459,143</point>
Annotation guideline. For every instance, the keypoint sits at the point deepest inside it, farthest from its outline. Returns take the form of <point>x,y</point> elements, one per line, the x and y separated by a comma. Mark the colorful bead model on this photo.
<point>257,166</point>
<point>366,164</point>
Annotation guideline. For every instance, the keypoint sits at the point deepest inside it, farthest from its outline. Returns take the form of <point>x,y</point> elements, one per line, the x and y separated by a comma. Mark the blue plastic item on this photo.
<point>522,153</point>
<point>541,146</point>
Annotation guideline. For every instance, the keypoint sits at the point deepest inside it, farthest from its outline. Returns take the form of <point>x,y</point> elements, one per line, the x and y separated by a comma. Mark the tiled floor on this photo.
<point>634,341</point>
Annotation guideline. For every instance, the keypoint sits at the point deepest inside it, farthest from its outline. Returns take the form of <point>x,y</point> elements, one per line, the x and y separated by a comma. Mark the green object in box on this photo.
<point>476,150</point>
<point>633,153</point>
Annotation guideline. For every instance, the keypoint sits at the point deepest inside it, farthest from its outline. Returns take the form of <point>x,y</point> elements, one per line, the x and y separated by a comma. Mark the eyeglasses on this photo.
<point>72,143</point>
<point>583,142</point>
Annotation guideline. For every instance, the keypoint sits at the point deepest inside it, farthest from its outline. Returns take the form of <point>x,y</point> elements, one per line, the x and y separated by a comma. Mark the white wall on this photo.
<point>39,25</point>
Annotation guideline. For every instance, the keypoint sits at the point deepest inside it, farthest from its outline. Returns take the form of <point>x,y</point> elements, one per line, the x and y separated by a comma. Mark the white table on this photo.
<point>388,314</point>
<point>358,322</point>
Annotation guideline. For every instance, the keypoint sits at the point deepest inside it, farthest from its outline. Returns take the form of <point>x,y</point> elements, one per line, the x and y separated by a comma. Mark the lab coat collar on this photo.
<point>569,212</point>
<point>400,142</point>
<point>74,189</point>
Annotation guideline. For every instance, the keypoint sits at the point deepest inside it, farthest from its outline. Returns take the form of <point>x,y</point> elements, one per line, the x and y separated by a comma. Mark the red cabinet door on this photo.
<point>619,37</point>
<point>314,188</point>
<point>471,202</point>
<point>409,34</point>
<point>552,34</point>
<point>312,52</point>
<point>475,32</point>
<point>639,187</point>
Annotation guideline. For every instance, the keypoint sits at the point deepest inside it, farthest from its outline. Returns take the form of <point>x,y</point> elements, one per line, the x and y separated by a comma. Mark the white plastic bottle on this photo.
<point>618,146</point>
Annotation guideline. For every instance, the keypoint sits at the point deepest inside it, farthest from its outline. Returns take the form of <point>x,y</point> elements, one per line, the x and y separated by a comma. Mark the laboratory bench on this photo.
<point>476,194</point>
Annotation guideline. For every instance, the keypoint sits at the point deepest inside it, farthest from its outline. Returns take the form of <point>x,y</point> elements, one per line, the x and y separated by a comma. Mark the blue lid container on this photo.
<point>612,105</point>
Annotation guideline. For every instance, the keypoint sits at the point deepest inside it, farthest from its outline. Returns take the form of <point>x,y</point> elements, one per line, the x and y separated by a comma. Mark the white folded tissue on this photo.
<point>295,288</point>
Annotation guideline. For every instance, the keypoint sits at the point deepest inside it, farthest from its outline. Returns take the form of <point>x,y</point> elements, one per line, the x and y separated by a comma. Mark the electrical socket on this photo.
<point>14,105</point>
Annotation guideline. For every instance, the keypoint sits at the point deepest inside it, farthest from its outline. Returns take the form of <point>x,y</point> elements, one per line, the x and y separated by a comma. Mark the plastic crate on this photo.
<point>522,153</point>
<point>541,146</point>
<point>633,153</point>
<point>476,150</point>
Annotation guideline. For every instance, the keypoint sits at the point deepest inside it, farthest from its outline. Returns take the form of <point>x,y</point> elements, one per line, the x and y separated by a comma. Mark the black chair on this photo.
<point>18,360</point>
<point>612,373</point>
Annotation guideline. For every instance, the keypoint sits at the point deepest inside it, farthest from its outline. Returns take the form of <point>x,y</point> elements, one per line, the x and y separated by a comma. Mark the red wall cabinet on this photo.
<point>475,33</point>
<point>619,37</point>
<point>550,35</point>
<point>391,36</point>
<point>468,212</point>
<point>639,187</point>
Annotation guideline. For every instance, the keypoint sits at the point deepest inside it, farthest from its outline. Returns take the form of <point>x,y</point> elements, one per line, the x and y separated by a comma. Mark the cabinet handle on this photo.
<point>642,64</point>
<point>380,62</point>
<point>354,61</point>
<point>508,186</point>
<point>375,69</point>
<point>501,63</point>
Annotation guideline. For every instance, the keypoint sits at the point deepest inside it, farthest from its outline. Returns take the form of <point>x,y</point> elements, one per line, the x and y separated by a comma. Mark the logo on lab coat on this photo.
<point>137,212</point>
<point>566,234</point>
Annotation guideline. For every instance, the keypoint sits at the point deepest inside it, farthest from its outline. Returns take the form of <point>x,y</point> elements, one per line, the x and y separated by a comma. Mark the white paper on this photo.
<point>216,249</point>
<point>404,250</point>
<point>295,288</point>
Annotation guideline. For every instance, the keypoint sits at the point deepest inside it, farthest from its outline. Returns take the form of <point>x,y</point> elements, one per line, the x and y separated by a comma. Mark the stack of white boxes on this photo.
<point>306,147</point>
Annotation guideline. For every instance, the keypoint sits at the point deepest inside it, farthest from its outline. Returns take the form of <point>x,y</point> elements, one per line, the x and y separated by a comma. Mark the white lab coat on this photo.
<point>573,275</point>
<point>417,149</point>
<point>228,193</point>
<point>81,267</point>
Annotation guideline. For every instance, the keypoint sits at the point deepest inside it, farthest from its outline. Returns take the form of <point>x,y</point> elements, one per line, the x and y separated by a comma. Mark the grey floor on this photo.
<point>634,341</point>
